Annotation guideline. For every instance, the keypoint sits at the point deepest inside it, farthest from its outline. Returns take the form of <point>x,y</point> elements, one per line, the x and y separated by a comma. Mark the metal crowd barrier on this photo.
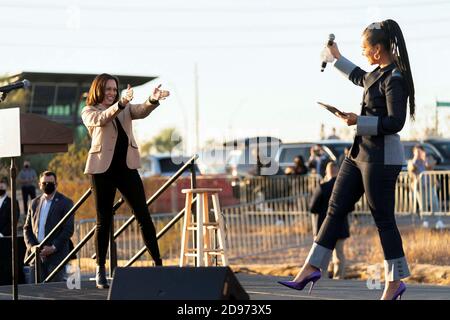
<point>431,193</point>
<point>260,189</point>
<point>267,225</point>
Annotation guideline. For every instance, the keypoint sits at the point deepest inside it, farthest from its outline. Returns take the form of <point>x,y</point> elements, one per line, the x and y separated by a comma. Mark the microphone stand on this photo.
<point>14,244</point>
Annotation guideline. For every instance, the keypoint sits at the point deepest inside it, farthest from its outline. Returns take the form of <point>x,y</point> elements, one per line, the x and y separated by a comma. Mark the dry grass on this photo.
<point>427,251</point>
<point>421,246</point>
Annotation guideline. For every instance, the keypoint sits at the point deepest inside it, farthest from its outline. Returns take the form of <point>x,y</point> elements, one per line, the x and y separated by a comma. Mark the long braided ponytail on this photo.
<point>389,34</point>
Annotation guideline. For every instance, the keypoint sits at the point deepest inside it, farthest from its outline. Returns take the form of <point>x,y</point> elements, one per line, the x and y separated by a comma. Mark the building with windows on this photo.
<point>58,96</point>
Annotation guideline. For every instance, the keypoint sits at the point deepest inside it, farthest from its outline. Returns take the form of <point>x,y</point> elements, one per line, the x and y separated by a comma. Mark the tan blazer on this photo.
<point>102,128</point>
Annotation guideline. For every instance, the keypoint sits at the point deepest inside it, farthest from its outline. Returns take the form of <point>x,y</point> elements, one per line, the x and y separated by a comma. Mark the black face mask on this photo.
<point>49,188</point>
<point>26,166</point>
<point>2,192</point>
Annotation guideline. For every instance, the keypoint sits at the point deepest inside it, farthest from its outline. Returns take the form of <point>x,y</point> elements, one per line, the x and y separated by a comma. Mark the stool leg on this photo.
<point>206,237</point>
<point>200,205</point>
<point>220,230</point>
<point>185,233</point>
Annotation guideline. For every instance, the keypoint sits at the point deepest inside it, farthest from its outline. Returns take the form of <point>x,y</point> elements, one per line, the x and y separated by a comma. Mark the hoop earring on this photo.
<point>375,56</point>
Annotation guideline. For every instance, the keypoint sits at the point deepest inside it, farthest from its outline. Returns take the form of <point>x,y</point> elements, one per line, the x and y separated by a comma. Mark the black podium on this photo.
<point>6,258</point>
<point>26,134</point>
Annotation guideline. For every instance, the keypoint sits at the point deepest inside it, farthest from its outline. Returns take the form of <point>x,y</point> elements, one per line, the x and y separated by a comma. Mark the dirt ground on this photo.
<point>287,263</point>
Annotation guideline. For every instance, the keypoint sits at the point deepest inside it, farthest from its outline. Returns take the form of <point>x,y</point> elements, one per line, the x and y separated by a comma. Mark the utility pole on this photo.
<point>440,104</point>
<point>436,124</point>
<point>322,131</point>
<point>197,143</point>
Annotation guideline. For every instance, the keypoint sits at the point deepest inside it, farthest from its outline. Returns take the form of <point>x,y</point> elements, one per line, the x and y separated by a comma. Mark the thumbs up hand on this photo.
<point>127,97</point>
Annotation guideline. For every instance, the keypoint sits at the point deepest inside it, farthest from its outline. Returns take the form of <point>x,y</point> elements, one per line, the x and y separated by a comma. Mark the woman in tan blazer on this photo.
<point>113,160</point>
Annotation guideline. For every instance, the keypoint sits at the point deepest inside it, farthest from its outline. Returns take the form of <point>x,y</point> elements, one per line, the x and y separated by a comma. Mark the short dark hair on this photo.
<point>48,174</point>
<point>4,180</point>
<point>419,146</point>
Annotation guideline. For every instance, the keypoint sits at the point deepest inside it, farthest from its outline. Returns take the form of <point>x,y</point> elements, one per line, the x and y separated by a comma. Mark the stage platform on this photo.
<point>259,287</point>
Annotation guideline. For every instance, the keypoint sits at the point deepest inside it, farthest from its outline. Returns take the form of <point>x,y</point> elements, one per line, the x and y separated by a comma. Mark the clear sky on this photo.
<point>258,60</point>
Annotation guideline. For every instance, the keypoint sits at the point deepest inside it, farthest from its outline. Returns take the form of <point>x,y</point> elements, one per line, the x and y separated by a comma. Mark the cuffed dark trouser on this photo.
<point>130,186</point>
<point>378,182</point>
<point>27,191</point>
<point>46,269</point>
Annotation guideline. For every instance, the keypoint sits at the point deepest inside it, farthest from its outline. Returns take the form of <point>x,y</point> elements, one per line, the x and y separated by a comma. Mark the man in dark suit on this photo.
<point>5,210</point>
<point>318,208</point>
<point>44,213</point>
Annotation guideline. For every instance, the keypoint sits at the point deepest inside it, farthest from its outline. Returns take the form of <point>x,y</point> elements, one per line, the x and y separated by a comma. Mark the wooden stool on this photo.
<point>204,250</point>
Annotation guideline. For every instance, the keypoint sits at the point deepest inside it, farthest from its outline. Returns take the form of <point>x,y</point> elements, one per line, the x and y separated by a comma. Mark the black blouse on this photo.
<point>119,160</point>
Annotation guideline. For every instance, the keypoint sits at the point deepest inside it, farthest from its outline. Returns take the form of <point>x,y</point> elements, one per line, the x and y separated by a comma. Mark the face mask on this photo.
<point>2,192</point>
<point>27,166</point>
<point>49,188</point>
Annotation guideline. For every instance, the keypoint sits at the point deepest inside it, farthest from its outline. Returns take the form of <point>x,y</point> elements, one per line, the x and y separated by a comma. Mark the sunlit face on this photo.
<point>369,52</point>
<point>110,93</point>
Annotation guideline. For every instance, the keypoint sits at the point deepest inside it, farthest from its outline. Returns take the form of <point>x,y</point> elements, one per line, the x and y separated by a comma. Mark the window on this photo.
<point>65,100</point>
<point>43,97</point>
<point>288,154</point>
<point>444,148</point>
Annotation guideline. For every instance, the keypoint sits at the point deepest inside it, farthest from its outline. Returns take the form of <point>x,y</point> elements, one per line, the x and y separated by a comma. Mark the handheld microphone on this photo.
<point>16,85</point>
<point>330,42</point>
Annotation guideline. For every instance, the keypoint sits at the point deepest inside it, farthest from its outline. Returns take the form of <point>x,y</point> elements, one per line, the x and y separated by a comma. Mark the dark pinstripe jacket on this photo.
<point>383,113</point>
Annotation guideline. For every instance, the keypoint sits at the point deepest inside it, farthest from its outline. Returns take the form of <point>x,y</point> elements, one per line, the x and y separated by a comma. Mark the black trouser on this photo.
<point>27,191</point>
<point>46,269</point>
<point>377,181</point>
<point>130,186</point>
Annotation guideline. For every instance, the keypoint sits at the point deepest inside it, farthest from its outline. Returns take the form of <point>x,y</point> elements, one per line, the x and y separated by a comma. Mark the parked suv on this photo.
<point>163,165</point>
<point>212,161</point>
<point>436,148</point>
<point>242,157</point>
<point>281,157</point>
<point>442,146</point>
<point>288,151</point>
<point>243,164</point>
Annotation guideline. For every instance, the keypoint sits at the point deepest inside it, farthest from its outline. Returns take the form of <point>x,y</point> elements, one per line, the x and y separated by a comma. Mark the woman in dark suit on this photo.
<point>113,161</point>
<point>318,206</point>
<point>376,156</point>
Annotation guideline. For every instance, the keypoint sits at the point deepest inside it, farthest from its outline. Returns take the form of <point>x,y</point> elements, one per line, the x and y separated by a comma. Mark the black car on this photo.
<point>438,149</point>
<point>443,147</point>
<point>251,156</point>
<point>334,149</point>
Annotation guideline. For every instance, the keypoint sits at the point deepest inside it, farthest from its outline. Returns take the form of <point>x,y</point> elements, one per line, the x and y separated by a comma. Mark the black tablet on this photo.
<point>332,109</point>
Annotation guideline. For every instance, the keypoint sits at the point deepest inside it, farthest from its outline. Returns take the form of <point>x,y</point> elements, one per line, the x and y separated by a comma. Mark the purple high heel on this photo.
<point>313,277</point>
<point>400,291</point>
